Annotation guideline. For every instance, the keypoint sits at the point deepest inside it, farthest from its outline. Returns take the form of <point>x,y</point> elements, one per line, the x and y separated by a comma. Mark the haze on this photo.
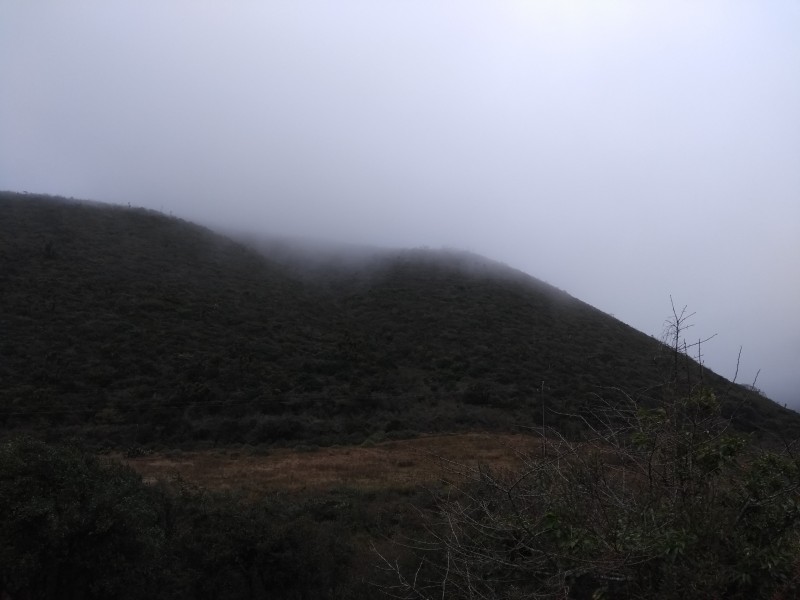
<point>622,151</point>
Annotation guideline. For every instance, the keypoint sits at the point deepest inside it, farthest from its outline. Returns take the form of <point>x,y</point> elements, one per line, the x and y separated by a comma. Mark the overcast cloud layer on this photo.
<point>622,151</point>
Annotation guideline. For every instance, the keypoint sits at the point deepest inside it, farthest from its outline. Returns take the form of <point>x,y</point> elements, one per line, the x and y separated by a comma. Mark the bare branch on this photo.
<point>753,385</point>
<point>738,358</point>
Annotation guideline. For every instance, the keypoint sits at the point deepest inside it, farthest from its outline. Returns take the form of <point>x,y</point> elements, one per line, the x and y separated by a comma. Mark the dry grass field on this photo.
<point>395,465</point>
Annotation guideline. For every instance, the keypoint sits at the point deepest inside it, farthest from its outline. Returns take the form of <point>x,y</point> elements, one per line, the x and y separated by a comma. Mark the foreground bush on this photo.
<point>658,503</point>
<point>72,527</point>
<point>75,526</point>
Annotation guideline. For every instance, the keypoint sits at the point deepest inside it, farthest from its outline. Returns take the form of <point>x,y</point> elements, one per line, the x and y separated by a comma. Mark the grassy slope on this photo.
<point>126,326</point>
<point>394,466</point>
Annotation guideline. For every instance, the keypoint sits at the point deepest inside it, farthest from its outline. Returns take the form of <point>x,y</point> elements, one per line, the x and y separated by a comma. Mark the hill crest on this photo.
<point>127,326</point>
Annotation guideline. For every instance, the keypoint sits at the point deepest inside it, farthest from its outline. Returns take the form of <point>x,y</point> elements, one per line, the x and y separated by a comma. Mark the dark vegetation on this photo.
<point>76,526</point>
<point>665,503</point>
<point>123,328</point>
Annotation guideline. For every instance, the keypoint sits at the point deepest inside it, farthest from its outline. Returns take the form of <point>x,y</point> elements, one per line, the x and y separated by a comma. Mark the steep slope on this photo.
<point>125,326</point>
<point>118,319</point>
<point>456,326</point>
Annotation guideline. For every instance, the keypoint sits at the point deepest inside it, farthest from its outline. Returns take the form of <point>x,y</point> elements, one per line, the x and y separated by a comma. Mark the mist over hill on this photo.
<point>126,326</point>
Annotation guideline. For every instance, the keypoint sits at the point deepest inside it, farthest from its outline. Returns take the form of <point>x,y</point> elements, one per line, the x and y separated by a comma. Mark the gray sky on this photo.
<point>620,150</point>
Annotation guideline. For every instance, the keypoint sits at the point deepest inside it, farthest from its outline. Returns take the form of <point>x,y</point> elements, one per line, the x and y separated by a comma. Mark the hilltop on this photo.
<point>124,326</point>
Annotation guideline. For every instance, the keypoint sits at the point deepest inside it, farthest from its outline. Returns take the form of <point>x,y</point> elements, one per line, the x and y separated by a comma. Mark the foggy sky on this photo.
<point>620,150</point>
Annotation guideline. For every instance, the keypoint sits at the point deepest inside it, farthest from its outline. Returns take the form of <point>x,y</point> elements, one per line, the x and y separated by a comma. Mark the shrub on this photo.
<point>658,503</point>
<point>73,526</point>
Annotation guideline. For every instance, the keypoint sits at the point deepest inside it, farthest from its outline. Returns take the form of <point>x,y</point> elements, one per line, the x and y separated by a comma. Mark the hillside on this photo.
<point>123,326</point>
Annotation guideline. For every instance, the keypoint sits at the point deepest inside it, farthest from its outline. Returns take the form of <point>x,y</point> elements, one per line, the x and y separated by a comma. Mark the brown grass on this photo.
<point>395,465</point>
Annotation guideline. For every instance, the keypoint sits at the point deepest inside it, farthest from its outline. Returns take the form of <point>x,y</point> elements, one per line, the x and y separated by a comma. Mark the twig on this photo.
<point>738,358</point>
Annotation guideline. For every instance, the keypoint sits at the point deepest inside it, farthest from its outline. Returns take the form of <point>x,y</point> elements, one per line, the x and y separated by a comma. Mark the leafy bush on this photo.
<point>658,503</point>
<point>74,526</point>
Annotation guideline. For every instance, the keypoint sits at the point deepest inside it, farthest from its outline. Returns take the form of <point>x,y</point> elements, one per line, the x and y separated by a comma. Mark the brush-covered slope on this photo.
<point>126,326</point>
<point>456,325</point>
<point>122,319</point>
